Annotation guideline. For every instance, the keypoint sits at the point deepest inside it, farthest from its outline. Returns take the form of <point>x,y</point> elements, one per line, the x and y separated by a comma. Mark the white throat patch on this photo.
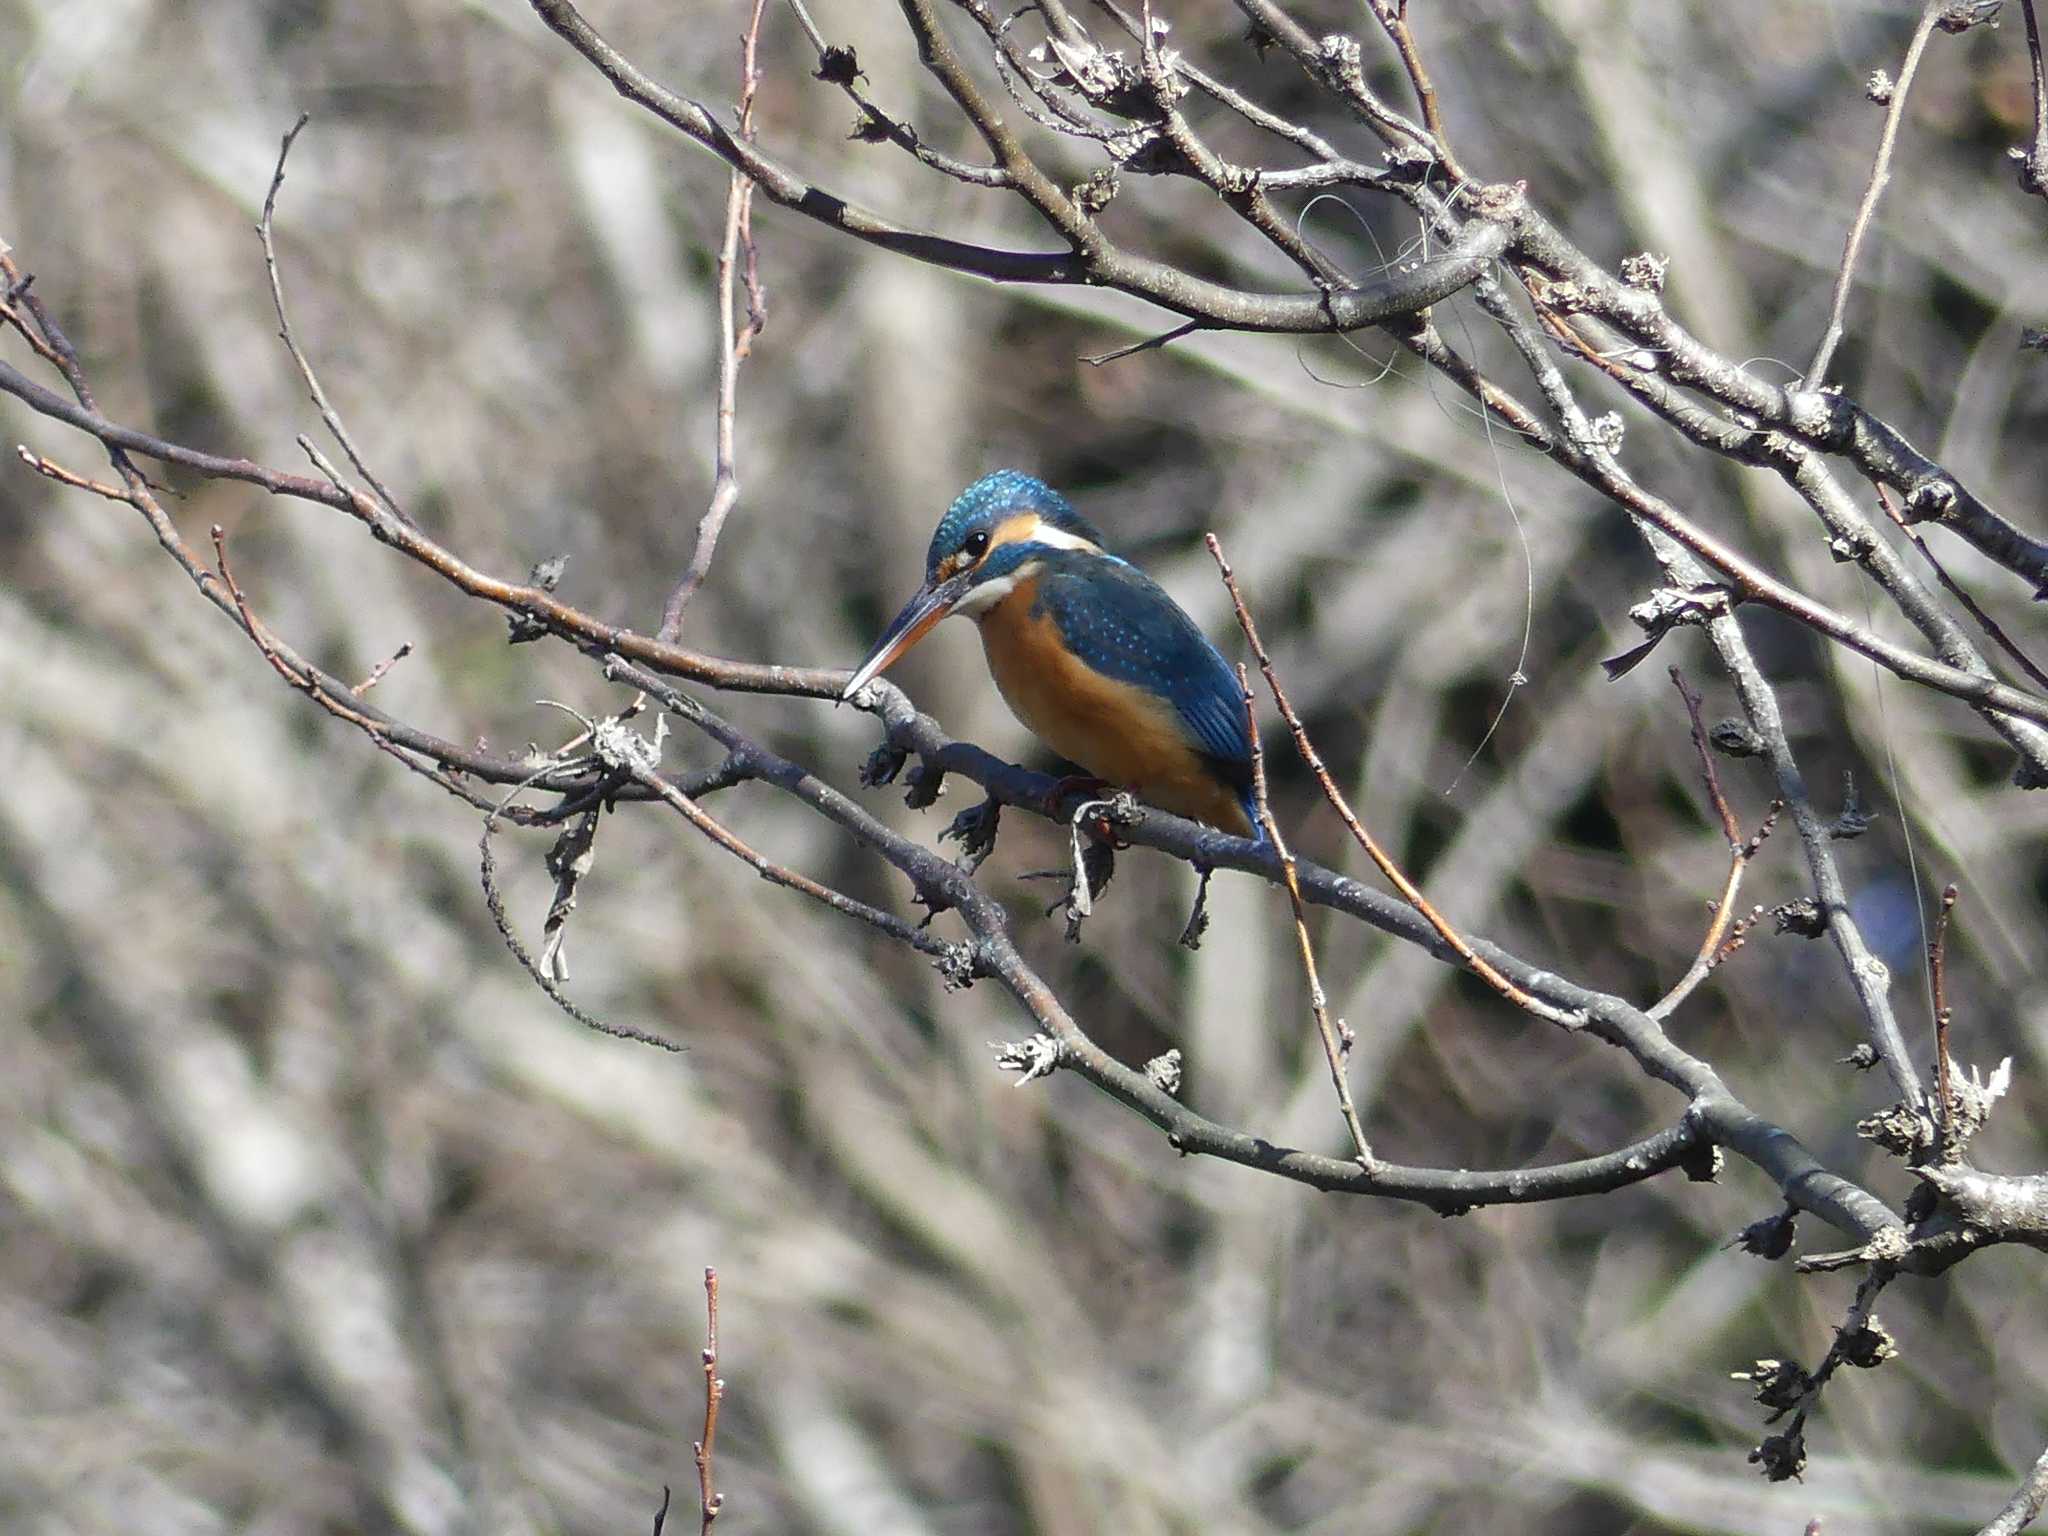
<point>980,599</point>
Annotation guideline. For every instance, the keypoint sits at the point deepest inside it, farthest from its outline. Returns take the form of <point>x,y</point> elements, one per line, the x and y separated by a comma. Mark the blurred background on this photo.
<point>318,1217</point>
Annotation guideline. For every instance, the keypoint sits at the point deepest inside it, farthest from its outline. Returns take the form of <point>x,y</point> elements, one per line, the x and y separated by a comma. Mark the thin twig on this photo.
<point>1335,61</point>
<point>778,874</point>
<point>1725,932</point>
<point>1088,258</point>
<point>1336,1038</point>
<point>433,757</point>
<point>49,469</point>
<point>1937,957</point>
<point>378,672</point>
<point>735,341</point>
<point>328,414</point>
<point>1693,701</point>
<point>1160,340</point>
<point>1578,448</point>
<point>709,1503</point>
<point>1712,948</point>
<point>1860,1340</point>
<point>1395,19</point>
<point>1989,625</point>
<point>12,316</point>
<point>837,66</point>
<point>1880,174</point>
<point>1236,101</point>
<point>1849,530</point>
<point>1413,896</point>
<point>424,757</point>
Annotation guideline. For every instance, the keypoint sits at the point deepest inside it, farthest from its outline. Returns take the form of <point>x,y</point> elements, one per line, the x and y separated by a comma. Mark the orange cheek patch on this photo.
<point>1013,530</point>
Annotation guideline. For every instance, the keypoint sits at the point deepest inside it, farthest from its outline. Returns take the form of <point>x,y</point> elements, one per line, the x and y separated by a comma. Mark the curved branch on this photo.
<point>1823,419</point>
<point>1096,263</point>
<point>1714,1115</point>
<point>1850,531</point>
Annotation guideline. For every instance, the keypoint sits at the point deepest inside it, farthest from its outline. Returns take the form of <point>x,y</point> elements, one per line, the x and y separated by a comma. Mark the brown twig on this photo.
<point>1336,1038</point>
<point>709,1503</point>
<point>1729,824</point>
<point>1937,955</point>
<point>1880,175</point>
<point>49,469</point>
<point>13,317</point>
<point>1724,934</point>
<point>1413,896</point>
<point>778,874</point>
<point>1394,17</point>
<point>1971,606</point>
<point>735,340</point>
<point>377,673</point>
<point>432,757</point>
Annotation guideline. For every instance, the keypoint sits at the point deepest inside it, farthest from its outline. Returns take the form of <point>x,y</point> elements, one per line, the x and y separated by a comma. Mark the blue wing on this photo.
<point>1121,622</point>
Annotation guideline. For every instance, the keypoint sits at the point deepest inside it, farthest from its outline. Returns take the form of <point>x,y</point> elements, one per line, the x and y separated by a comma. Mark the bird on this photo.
<point>1087,650</point>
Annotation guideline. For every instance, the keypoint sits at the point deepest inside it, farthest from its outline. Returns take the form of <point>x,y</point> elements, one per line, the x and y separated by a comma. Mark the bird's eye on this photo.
<point>976,545</point>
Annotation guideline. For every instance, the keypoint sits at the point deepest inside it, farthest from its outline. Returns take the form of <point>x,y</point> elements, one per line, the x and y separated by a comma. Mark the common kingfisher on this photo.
<point>1087,650</point>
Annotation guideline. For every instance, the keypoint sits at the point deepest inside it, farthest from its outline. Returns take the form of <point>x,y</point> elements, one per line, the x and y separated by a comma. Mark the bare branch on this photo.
<point>1716,946</point>
<point>1880,177</point>
<point>1409,892</point>
<point>1937,973</point>
<point>1336,1040</point>
<point>328,414</point>
<point>2033,161</point>
<point>2031,1496</point>
<point>1092,260</point>
<point>734,341</point>
<point>1580,449</point>
<point>710,1502</point>
<point>1955,589</point>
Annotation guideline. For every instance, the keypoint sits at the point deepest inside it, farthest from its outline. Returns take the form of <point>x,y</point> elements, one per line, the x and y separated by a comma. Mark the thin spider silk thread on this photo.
<point>1518,676</point>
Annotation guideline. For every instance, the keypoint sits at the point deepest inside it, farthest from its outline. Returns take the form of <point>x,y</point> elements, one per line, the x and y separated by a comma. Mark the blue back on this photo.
<point>1121,622</point>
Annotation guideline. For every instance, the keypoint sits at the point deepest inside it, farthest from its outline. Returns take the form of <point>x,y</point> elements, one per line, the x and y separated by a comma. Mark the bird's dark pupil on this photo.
<point>976,543</point>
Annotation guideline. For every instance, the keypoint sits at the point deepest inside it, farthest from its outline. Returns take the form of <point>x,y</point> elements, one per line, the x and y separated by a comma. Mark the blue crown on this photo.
<point>994,498</point>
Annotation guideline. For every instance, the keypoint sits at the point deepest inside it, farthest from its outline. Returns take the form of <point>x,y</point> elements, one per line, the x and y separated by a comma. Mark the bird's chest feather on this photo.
<point>1115,730</point>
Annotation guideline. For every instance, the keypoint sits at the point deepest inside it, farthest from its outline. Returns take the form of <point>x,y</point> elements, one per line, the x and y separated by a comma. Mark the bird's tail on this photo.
<point>1251,815</point>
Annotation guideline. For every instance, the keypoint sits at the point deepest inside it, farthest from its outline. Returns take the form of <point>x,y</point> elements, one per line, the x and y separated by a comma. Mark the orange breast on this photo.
<point>1112,729</point>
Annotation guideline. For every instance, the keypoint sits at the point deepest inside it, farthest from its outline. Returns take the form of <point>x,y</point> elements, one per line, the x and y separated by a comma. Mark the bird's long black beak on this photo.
<point>934,600</point>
